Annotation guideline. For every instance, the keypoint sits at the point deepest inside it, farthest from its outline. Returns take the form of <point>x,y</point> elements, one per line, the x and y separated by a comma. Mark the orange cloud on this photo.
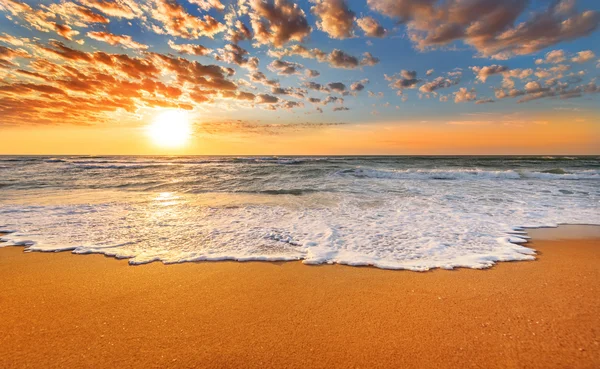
<point>335,18</point>
<point>65,31</point>
<point>176,21</point>
<point>189,48</point>
<point>121,8</point>
<point>112,39</point>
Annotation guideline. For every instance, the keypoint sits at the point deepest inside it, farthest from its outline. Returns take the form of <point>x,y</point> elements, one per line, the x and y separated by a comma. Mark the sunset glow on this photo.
<point>313,77</point>
<point>170,129</point>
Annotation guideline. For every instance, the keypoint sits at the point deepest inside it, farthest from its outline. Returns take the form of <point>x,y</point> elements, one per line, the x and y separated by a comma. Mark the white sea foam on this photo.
<point>431,229</point>
<point>319,210</point>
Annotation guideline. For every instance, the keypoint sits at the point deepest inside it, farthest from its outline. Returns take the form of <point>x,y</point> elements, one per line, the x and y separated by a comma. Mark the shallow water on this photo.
<point>411,213</point>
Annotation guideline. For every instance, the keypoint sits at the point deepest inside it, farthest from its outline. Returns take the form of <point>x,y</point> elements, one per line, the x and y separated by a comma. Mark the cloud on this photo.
<point>315,86</point>
<point>332,100</point>
<point>483,73</point>
<point>552,57</point>
<point>292,104</point>
<point>464,95</point>
<point>371,27</point>
<point>298,93</point>
<point>207,5</point>
<point>266,99</point>
<point>518,73</point>
<point>404,80</point>
<point>245,127</point>
<point>283,67</point>
<point>278,22</point>
<point>120,9</point>
<point>237,32</point>
<point>19,88</point>
<point>439,83</point>
<point>65,31</point>
<point>359,86</point>
<point>58,49</point>
<point>74,14</point>
<point>554,87</point>
<point>369,60</point>
<point>521,74</point>
<point>190,49</point>
<point>300,50</point>
<point>112,39</point>
<point>311,73</point>
<point>536,96</point>
<point>241,95</point>
<point>377,95</point>
<point>12,40</point>
<point>160,16</point>
<point>534,87</point>
<point>555,72</point>
<point>336,59</point>
<point>235,54</point>
<point>339,59</point>
<point>78,87</point>
<point>341,108</point>
<point>502,94</point>
<point>90,85</point>
<point>31,18</point>
<point>259,77</point>
<point>174,20</point>
<point>338,87</point>
<point>490,26</point>
<point>334,18</point>
<point>583,56</point>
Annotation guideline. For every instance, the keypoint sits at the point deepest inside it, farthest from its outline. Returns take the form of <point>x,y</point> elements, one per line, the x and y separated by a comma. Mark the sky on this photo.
<point>277,77</point>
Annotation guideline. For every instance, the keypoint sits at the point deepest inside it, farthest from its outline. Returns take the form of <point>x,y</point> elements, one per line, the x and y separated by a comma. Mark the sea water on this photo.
<point>413,213</point>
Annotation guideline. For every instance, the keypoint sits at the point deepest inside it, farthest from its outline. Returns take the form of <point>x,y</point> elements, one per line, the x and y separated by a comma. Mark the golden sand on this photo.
<point>59,310</point>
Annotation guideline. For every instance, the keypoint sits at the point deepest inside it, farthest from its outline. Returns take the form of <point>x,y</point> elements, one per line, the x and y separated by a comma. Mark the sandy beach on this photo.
<point>61,310</point>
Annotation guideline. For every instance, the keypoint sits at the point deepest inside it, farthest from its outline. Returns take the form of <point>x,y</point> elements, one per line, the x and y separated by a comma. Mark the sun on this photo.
<point>170,129</point>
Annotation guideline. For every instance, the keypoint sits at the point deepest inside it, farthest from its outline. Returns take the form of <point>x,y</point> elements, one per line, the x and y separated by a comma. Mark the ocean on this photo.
<point>414,213</point>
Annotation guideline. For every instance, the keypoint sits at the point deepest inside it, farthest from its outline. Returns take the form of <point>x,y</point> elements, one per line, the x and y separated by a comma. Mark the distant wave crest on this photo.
<point>466,174</point>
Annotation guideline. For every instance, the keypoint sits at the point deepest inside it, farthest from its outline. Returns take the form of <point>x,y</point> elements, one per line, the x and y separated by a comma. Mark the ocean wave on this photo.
<point>555,171</point>
<point>396,213</point>
<point>274,192</point>
<point>386,224</point>
<point>466,174</point>
<point>559,158</point>
<point>280,160</point>
<point>295,191</point>
<point>132,165</point>
<point>55,160</point>
<point>244,160</point>
<point>19,159</point>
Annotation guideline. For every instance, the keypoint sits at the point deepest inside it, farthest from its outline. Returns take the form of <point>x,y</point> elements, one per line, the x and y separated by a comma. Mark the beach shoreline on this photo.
<point>65,310</point>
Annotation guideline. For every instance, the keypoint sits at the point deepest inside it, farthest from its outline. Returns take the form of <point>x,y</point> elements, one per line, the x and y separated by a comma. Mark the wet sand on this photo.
<point>59,310</point>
